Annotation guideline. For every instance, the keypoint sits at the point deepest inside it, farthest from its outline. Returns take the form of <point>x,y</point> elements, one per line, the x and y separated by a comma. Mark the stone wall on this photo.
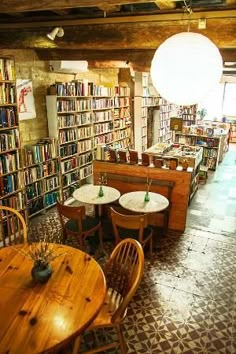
<point>28,66</point>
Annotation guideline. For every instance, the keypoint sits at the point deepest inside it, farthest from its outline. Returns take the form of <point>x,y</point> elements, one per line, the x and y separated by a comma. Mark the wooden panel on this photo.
<point>180,194</point>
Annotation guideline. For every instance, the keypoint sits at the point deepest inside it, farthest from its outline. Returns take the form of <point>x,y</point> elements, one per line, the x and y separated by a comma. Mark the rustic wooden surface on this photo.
<point>38,318</point>
<point>180,194</point>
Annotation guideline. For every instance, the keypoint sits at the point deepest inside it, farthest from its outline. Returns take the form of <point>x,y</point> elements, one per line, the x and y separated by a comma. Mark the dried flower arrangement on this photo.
<point>41,253</point>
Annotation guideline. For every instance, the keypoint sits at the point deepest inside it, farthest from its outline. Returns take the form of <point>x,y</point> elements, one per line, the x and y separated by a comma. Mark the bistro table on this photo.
<point>89,193</point>
<point>40,318</point>
<point>134,201</point>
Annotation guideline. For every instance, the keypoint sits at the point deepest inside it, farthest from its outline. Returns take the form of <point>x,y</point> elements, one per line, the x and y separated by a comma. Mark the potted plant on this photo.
<point>202,113</point>
<point>41,253</point>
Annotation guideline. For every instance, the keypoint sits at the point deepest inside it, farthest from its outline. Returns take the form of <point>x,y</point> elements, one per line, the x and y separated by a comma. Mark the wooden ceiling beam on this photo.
<point>139,60</point>
<point>144,35</point>
<point>25,5</point>
<point>169,17</point>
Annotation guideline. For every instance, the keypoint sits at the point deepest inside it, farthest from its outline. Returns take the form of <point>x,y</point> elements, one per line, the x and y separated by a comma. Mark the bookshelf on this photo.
<point>162,118</point>
<point>82,118</point>
<point>11,173</point>
<point>211,147</point>
<point>41,176</point>
<point>122,122</point>
<point>188,114</point>
<point>143,100</point>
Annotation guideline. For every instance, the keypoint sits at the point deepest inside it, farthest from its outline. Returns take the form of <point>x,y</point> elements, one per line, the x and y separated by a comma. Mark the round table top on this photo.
<point>88,193</point>
<point>36,317</point>
<point>134,201</point>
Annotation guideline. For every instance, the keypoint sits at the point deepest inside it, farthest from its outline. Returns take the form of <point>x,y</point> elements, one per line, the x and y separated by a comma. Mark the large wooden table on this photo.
<point>39,318</point>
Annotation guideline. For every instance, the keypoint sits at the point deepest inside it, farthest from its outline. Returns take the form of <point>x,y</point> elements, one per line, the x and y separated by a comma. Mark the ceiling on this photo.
<point>105,32</point>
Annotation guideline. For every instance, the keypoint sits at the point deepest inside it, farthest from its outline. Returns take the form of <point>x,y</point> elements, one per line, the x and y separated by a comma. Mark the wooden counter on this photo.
<point>128,178</point>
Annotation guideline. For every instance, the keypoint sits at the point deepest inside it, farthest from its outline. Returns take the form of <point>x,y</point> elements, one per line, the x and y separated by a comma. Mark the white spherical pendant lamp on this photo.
<point>186,67</point>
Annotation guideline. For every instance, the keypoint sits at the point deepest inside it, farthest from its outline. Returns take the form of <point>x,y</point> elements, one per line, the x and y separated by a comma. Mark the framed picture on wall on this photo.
<point>25,99</point>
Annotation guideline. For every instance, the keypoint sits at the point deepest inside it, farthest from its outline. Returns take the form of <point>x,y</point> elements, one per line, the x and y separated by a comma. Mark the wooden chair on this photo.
<point>123,273</point>
<point>132,225</point>
<point>76,223</point>
<point>13,228</point>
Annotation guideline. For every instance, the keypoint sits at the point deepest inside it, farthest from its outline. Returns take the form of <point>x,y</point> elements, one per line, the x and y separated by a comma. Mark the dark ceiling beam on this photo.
<point>136,57</point>
<point>144,35</point>
<point>167,17</point>
<point>26,5</point>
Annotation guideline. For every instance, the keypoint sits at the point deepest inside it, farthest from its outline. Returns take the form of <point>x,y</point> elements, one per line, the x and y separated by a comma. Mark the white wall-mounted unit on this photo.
<point>69,66</point>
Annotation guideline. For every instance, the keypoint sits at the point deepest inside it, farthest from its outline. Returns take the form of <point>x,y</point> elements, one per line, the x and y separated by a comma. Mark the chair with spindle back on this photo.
<point>76,224</point>
<point>13,229</point>
<point>132,226</point>
<point>123,272</point>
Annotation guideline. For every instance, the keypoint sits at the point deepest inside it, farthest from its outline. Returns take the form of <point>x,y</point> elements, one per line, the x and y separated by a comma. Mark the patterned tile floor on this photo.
<point>187,300</point>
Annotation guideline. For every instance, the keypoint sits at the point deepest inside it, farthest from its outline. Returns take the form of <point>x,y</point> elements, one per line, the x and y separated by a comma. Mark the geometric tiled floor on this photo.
<point>186,302</point>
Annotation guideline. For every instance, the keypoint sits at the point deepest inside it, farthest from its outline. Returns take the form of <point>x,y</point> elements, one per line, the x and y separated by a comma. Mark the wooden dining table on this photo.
<point>41,318</point>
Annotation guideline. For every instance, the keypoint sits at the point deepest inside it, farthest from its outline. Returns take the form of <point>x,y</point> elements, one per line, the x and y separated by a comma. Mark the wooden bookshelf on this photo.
<point>41,176</point>
<point>11,174</point>
<point>83,119</point>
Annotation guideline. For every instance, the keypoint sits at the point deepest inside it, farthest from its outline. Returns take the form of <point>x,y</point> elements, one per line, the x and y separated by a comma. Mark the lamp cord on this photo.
<point>189,11</point>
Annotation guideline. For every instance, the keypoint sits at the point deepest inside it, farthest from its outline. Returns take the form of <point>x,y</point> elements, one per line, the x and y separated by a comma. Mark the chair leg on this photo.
<point>151,247</point>
<point>76,346</point>
<point>123,346</point>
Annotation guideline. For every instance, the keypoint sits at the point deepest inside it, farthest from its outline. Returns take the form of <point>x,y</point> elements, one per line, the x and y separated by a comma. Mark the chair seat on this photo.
<point>111,304</point>
<point>124,233</point>
<point>87,224</point>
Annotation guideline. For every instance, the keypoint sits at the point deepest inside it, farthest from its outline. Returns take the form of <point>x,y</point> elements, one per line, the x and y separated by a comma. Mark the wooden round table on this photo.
<point>134,201</point>
<point>88,193</point>
<point>38,318</point>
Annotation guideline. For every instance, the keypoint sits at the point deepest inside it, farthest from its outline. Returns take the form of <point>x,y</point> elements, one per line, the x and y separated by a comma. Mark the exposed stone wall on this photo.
<point>28,66</point>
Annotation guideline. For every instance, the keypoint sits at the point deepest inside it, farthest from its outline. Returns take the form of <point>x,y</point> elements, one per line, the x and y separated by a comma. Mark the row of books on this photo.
<point>123,112</point>
<point>8,117</point>
<point>7,69</point>
<point>16,201</point>
<point>9,184</point>
<point>34,190</point>
<point>74,105</point>
<point>121,102</point>
<point>9,162</point>
<point>9,140</point>
<point>122,90</point>
<point>85,145</point>
<point>52,183</point>
<point>7,93</point>
<point>103,128</point>
<point>85,132</point>
<point>85,158</point>
<point>103,139</point>
<point>68,150</point>
<point>78,119</point>
<point>82,88</point>
<point>103,116</point>
<point>67,135</point>
<point>45,149</point>
<point>70,164</point>
<point>51,198</point>
<point>43,170</point>
<point>86,171</point>
<point>70,178</point>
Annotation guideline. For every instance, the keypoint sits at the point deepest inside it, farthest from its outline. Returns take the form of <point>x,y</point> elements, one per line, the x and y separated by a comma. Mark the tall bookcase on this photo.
<point>41,176</point>
<point>143,100</point>
<point>188,114</point>
<point>11,174</point>
<point>81,116</point>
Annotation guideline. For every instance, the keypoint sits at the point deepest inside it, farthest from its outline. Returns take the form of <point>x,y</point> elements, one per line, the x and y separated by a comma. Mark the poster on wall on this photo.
<point>25,99</point>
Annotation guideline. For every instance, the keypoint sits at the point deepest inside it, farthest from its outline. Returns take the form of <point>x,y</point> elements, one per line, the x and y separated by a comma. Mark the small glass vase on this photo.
<point>100,192</point>
<point>147,197</point>
<point>41,274</point>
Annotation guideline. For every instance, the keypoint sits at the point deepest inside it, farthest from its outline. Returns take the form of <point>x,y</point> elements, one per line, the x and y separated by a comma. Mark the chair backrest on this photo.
<point>13,228</point>
<point>123,272</point>
<point>132,222</point>
<point>67,212</point>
